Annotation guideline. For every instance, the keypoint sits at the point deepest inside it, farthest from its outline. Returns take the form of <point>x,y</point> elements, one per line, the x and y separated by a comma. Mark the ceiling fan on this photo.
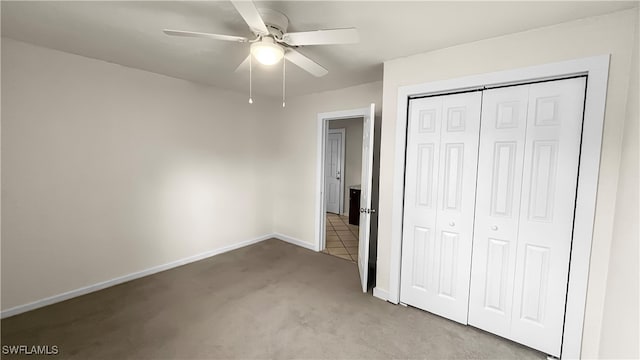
<point>272,42</point>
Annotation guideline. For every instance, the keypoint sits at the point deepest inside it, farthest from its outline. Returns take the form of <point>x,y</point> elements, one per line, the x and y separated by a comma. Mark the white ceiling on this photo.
<point>130,33</point>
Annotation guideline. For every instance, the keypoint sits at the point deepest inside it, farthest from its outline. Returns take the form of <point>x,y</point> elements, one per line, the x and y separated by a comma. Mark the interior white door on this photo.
<point>521,253</point>
<point>440,179</point>
<point>550,177</point>
<point>332,171</point>
<point>500,162</point>
<point>365,196</point>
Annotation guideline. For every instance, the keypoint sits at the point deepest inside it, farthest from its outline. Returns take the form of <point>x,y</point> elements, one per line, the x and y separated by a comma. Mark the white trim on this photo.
<point>597,69</point>
<point>343,158</point>
<point>380,294</point>
<point>136,275</point>
<point>294,241</point>
<point>320,143</point>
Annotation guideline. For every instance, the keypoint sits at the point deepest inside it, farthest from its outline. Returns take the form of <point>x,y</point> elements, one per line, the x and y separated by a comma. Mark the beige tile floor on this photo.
<point>342,237</point>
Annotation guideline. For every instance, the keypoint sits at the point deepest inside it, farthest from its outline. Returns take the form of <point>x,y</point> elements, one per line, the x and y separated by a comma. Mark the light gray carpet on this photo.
<point>268,300</point>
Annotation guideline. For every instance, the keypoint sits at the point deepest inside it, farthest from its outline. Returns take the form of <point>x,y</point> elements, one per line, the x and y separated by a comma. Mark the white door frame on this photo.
<point>342,160</point>
<point>323,119</point>
<point>597,70</point>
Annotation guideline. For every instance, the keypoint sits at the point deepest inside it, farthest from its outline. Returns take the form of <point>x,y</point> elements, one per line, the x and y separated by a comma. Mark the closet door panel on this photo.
<point>500,164</point>
<point>551,161</point>
<point>456,203</point>
<point>442,143</point>
<point>419,260</point>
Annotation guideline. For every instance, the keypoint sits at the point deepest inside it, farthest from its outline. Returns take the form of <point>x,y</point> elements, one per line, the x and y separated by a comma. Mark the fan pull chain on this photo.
<point>284,66</point>
<point>250,71</point>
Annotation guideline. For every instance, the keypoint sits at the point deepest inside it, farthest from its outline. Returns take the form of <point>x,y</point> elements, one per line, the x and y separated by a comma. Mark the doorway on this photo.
<point>334,167</point>
<point>339,230</point>
<point>343,173</point>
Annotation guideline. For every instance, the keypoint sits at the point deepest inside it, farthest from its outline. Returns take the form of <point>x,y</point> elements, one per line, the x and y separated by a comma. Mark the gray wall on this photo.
<point>108,170</point>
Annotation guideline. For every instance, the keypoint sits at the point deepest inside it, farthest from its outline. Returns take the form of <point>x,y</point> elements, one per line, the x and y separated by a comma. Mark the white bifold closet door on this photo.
<point>527,177</point>
<point>440,180</point>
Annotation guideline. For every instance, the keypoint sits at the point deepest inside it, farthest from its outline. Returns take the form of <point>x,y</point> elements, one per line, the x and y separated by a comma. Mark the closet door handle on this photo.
<point>494,227</point>
<point>452,223</point>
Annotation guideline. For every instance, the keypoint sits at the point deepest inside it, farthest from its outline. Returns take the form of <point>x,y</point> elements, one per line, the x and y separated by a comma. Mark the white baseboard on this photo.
<point>295,241</point>
<point>381,294</point>
<point>119,280</point>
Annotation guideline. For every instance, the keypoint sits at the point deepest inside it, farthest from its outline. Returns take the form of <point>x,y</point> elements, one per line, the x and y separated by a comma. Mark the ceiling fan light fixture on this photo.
<point>266,51</point>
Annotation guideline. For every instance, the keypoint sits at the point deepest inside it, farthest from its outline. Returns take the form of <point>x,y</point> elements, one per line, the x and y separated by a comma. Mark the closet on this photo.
<point>490,188</point>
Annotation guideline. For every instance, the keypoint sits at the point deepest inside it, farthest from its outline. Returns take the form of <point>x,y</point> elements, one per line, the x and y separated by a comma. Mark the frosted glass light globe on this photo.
<point>267,52</point>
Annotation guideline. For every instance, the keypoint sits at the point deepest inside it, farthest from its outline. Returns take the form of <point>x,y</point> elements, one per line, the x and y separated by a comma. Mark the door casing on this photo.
<point>597,71</point>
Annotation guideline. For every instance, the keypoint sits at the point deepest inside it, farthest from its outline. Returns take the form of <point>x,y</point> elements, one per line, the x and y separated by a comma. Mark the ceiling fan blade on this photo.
<point>251,16</point>
<point>322,37</point>
<point>243,65</point>
<point>305,63</point>
<point>205,35</point>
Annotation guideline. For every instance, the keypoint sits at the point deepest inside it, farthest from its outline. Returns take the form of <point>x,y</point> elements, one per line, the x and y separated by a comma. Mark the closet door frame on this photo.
<point>597,71</point>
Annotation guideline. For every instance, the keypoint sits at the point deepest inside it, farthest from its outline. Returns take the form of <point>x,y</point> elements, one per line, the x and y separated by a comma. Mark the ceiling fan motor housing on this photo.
<point>277,23</point>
